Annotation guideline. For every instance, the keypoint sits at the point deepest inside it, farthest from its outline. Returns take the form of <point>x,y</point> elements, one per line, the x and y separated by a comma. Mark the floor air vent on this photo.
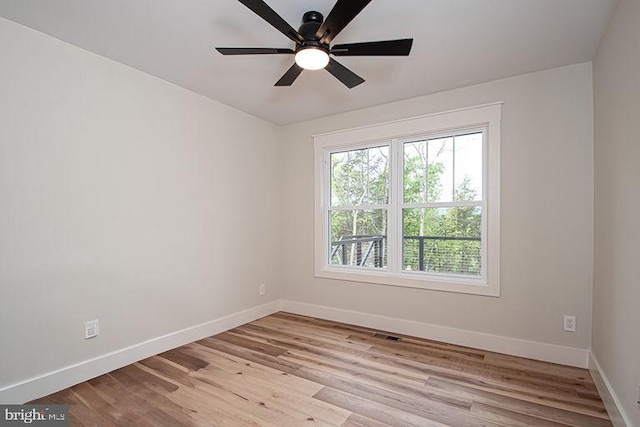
<point>386,337</point>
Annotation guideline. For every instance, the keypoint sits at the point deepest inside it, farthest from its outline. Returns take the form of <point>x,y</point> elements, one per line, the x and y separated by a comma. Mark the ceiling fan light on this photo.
<point>312,58</point>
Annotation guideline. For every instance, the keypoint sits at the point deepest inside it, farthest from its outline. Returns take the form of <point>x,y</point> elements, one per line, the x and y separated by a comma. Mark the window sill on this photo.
<point>412,280</point>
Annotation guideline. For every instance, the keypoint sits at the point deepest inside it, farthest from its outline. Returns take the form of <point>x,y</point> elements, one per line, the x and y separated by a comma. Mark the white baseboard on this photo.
<point>611,401</point>
<point>517,347</point>
<point>68,376</point>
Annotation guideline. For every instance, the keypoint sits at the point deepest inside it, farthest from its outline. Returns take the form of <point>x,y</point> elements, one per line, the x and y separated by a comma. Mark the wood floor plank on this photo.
<point>86,415</point>
<point>235,389</point>
<point>225,362</point>
<point>187,361</point>
<point>154,382</point>
<point>307,352</point>
<point>164,369</point>
<point>366,334</point>
<point>377,375</point>
<point>315,324</point>
<point>216,403</point>
<point>436,352</point>
<point>257,346</point>
<point>564,416</point>
<point>536,366</point>
<point>299,408</point>
<point>128,391</point>
<point>277,335</point>
<point>494,381</point>
<point>373,410</point>
<point>118,415</point>
<point>562,401</point>
<point>287,370</point>
<point>220,409</point>
<point>248,354</point>
<point>357,420</point>
<point>542,381</point>
<point>301,327</point>
<point>419,397</point>
<point>448,411</point>
<point>506,418</point>
<point>352,357</point>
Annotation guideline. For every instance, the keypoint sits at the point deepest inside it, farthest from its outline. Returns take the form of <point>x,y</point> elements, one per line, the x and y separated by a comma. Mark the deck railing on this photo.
<point>370,248</point>
<point>373,244</point>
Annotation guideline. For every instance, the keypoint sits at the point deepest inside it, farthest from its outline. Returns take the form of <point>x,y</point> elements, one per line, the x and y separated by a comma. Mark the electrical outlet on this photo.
<point>91,329</point>
<point>263,289</point>
<point>569,323</point>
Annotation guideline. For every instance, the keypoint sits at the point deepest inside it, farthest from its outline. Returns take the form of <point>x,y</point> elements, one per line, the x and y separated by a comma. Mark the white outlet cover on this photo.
<point>91,329</point>
<point>570,323</point>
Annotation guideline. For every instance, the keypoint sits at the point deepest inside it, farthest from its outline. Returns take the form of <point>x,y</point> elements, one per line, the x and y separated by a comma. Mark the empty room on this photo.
<point>336,213</point>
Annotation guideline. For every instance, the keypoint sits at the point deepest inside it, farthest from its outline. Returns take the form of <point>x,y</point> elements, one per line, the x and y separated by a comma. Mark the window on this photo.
<point>412,203</point>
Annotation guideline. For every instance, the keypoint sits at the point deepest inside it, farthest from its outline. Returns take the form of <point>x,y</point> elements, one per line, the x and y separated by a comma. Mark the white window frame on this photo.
<point>394,134</point>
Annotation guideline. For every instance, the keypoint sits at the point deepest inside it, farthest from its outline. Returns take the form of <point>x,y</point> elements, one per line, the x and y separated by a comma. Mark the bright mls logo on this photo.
<point>35,415</point>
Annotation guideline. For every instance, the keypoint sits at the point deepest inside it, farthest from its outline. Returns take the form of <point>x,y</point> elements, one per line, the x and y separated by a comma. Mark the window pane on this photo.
<point>415,172</point>
<point>442,240</point>
<point>441,169</point>
<point>428,171</point>
<point>358,238</point>
<point>360,177</point>
<point>468,167</point>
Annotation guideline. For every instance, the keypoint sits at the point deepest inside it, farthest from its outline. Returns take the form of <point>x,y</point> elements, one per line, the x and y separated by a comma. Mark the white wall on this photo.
<point>123,198</point>
<point>547,213</point>
<point>616,327</point>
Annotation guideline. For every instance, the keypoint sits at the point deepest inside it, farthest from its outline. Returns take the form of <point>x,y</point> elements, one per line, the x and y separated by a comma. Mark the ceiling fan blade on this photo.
<point>261,9</point>
<point>290,76</point>
<point>253,51</point>
<point>342,13</point>
<point>342,73</point>
<point>382,48</point>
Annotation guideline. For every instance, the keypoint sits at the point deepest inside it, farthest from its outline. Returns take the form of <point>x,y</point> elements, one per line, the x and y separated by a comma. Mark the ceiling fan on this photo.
<point>313,41</point>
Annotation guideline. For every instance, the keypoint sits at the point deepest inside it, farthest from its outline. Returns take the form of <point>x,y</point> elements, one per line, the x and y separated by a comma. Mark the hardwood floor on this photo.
<point>289,370</point>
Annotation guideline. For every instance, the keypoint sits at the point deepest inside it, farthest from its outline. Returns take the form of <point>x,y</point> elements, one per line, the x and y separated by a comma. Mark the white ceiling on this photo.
<point>456,43</point>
